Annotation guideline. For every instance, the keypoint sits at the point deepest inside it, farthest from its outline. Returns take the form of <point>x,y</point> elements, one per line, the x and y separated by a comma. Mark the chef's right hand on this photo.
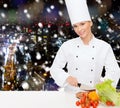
<point>72,81</point>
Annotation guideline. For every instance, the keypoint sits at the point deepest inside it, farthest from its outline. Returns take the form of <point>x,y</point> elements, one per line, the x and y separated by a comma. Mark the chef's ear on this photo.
<point>91,23</point>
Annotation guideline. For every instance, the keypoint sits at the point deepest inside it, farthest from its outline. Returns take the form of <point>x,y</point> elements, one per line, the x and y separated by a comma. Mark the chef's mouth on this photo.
<point>81,34</point>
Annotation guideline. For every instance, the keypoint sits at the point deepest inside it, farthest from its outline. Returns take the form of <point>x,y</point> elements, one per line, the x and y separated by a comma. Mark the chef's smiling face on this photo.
<point>83,29</point>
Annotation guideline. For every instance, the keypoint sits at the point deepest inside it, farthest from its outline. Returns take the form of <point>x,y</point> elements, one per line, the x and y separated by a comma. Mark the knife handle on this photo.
<point>79,84</point>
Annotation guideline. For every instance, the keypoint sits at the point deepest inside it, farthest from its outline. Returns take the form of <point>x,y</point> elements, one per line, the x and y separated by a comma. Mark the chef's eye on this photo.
<point>82,23</point>
<point>74,26</point>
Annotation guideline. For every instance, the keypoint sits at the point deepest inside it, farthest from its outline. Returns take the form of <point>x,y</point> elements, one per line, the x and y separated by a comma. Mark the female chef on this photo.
<point>85,55</point>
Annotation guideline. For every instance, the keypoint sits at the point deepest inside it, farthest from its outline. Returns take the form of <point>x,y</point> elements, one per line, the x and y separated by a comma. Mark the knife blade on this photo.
<point>85,87</point>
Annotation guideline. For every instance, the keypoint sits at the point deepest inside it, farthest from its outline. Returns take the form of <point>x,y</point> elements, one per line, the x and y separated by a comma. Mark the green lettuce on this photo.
<point>107,92</point>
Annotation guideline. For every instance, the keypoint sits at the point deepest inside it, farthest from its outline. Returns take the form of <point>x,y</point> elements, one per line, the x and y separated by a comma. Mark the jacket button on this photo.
<point>76,68</point>
<point>78,46</point>
<point>92,58</point>
<point>90,81</point>
<point>91,70</point>
<point>76,56</point>
<point>93,46</point>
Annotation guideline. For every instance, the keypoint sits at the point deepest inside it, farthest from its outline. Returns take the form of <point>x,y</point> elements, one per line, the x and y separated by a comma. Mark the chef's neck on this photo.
<point>87,39</point>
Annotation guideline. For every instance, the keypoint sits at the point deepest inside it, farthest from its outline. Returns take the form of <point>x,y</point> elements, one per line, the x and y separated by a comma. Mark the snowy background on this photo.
<point>31,32</point>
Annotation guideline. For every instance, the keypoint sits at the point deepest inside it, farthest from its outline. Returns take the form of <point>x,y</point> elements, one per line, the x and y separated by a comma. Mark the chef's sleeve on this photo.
<point>112,68</point>
<point>57,72</point>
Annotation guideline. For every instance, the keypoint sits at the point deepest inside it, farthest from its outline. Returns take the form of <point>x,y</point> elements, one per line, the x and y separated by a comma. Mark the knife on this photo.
<point>85,87</point>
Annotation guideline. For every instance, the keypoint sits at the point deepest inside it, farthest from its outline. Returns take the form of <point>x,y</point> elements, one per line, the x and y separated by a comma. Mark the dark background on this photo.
<point>39,27</point>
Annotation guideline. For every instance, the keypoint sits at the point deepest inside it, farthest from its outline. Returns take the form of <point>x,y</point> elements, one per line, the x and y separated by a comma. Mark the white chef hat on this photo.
<point>78,11</point>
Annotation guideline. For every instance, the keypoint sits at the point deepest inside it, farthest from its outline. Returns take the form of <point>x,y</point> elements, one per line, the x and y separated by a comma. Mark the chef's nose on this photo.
<point>79,28</point>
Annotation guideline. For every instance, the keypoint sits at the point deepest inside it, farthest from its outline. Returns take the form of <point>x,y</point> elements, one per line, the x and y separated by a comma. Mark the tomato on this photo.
<point>77,103</point>
<point>82,100</point>
<point>91,102</point>
<point>82,105</point>
<point>94,105</point>
<point>109,103</point>
<point>87,105</point>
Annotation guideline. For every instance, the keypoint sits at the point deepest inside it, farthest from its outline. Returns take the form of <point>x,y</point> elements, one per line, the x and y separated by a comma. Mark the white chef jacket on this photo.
<point>85,62</point>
